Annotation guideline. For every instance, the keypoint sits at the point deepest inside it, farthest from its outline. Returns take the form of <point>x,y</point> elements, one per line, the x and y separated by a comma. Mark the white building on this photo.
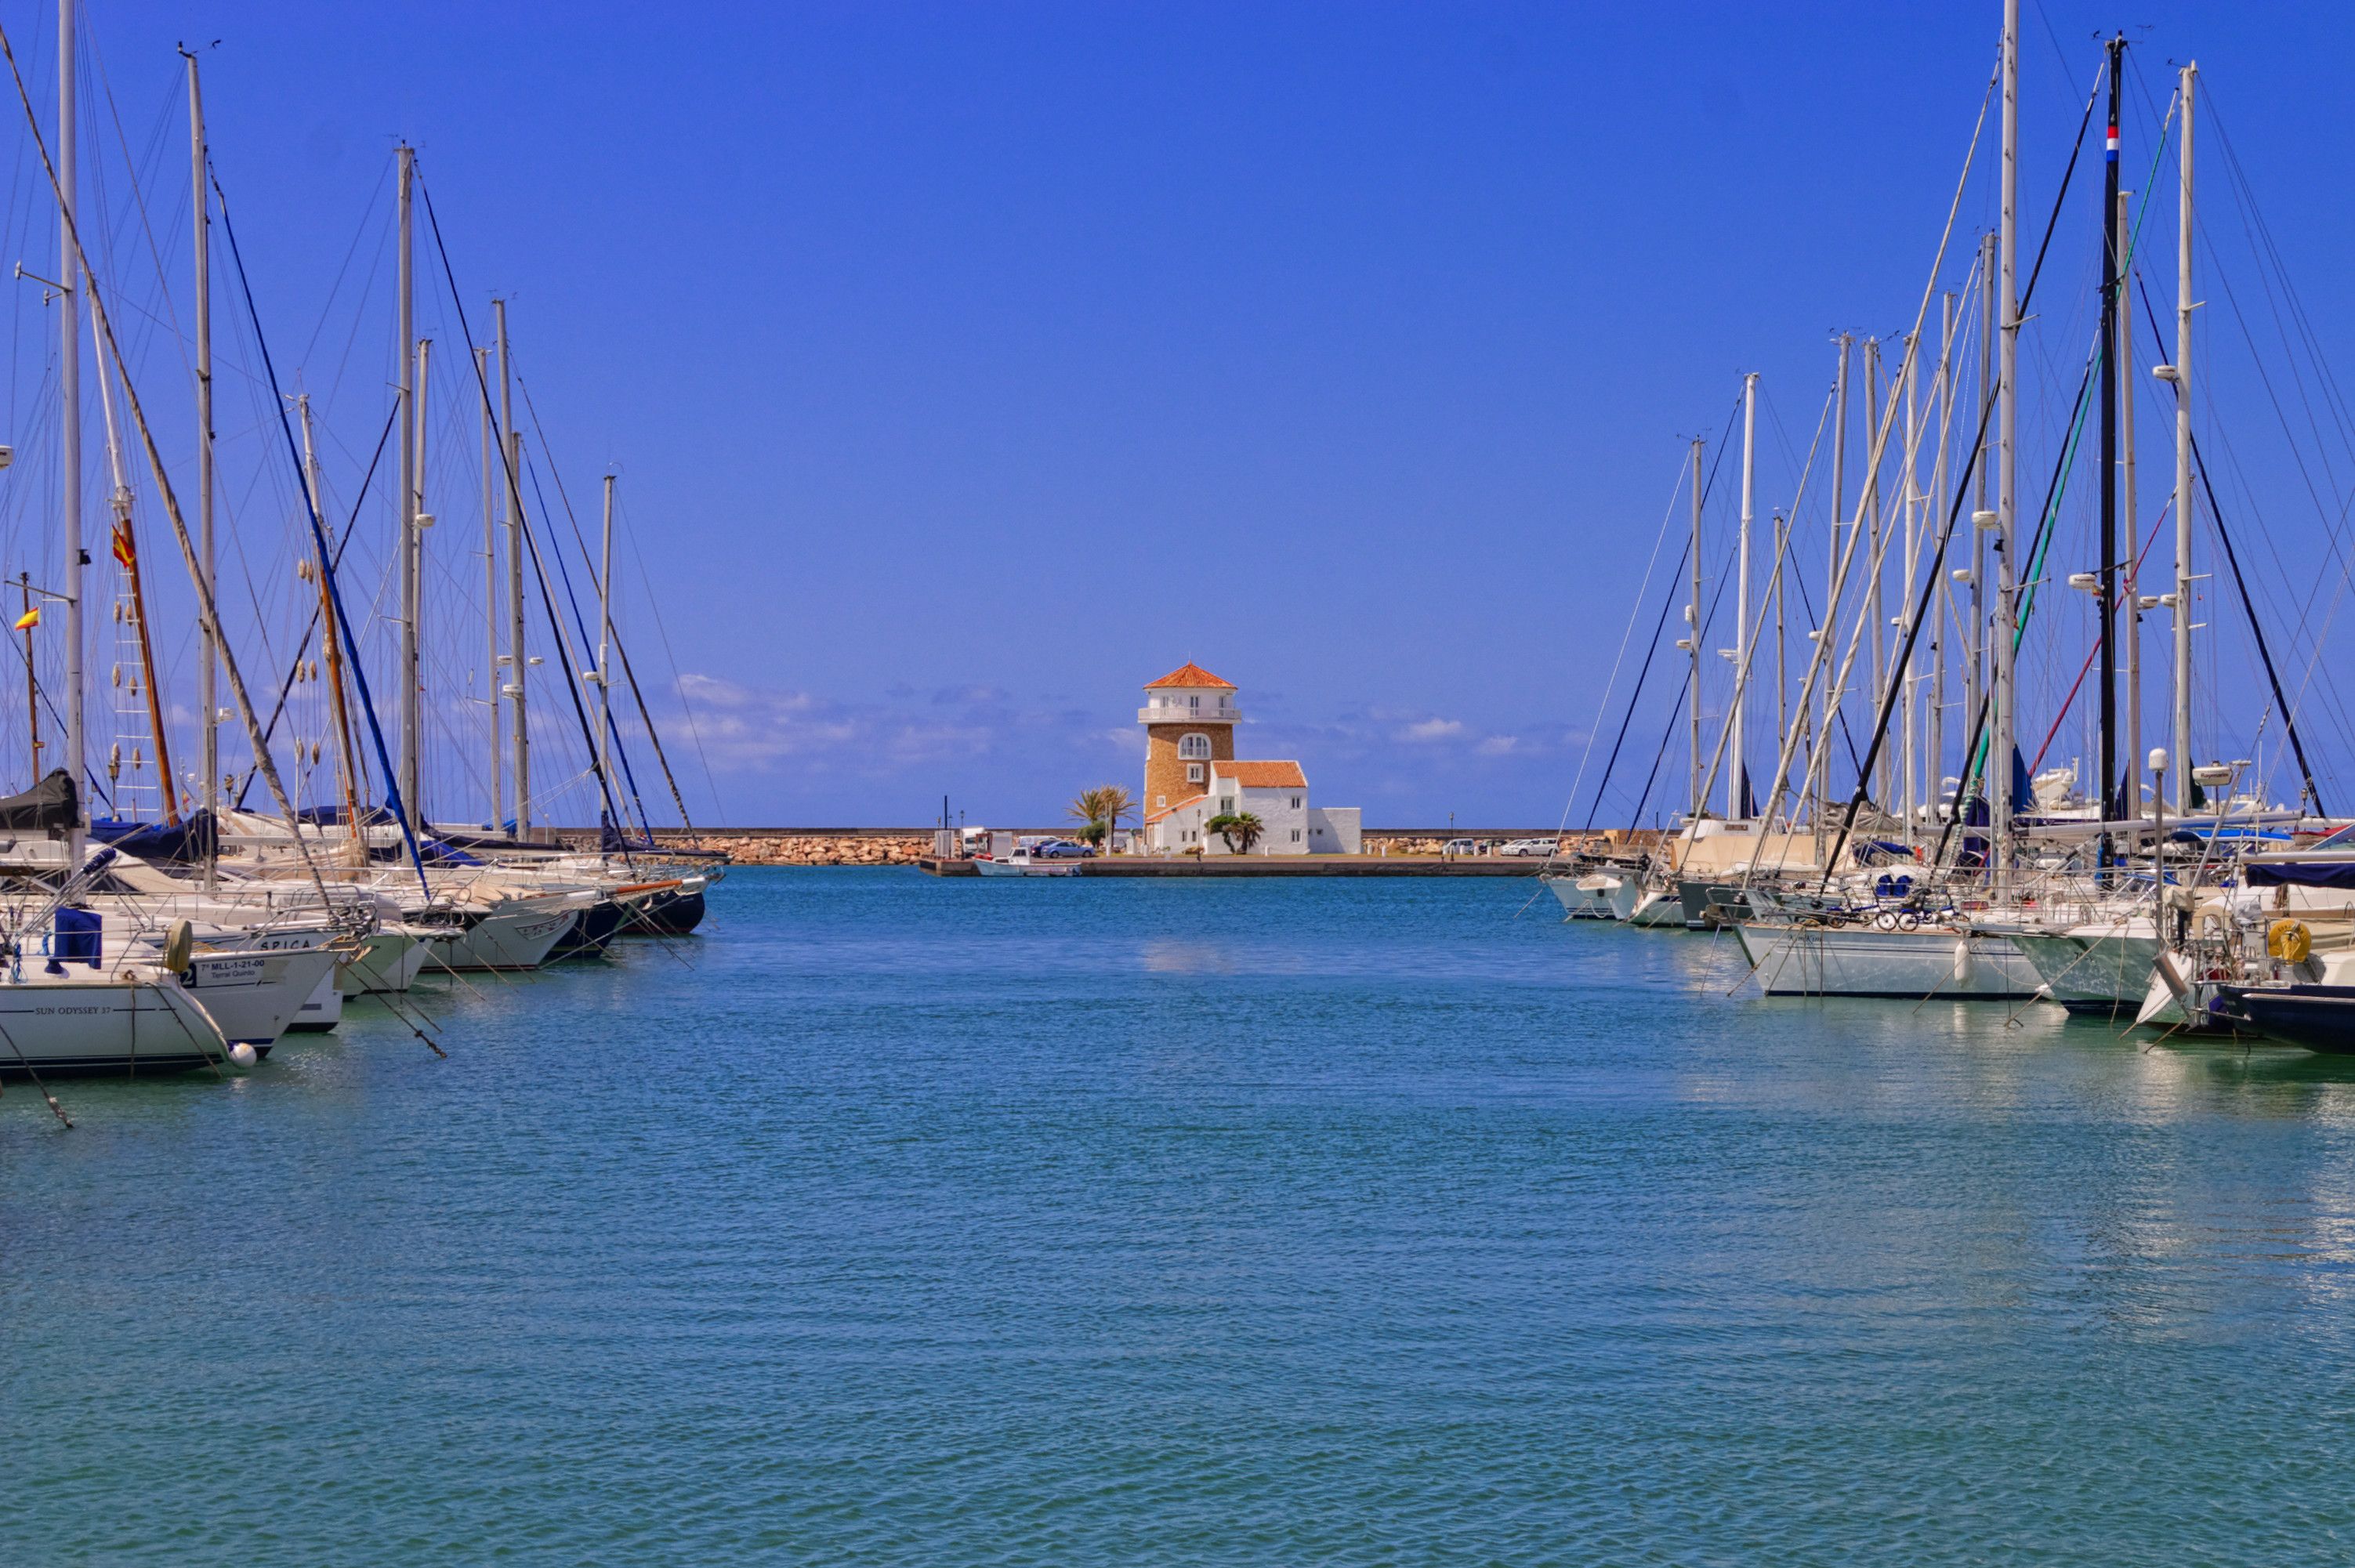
<point>1188,782</point>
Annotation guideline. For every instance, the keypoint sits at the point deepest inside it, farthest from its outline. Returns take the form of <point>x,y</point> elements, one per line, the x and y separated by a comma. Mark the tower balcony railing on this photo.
<point>1175,713</point>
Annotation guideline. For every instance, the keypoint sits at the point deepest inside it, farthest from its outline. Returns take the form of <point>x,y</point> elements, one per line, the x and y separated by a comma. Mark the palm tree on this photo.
<point>1102,808</point>
<point>1241,829</point>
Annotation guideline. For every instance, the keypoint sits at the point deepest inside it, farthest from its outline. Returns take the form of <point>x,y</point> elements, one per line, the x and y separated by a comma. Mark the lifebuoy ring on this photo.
<point>2290,941</point>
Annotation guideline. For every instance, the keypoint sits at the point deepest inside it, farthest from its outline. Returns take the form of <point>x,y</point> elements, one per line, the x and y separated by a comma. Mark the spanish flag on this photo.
<point>29,619</point>
<point>123,552</point>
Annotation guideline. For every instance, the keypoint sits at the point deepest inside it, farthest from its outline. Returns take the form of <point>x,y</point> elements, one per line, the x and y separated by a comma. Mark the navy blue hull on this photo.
<point>668,914</point>
<point>2318,1018</point>
<point>590,934</point>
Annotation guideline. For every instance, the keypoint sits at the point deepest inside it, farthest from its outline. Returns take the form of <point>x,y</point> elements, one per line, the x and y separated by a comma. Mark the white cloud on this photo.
<point>1432,729</point>
<point>754,729</point>
<point>1498,746</point>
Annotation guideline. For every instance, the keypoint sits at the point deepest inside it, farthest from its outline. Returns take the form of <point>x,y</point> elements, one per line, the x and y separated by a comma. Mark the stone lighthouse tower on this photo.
<point>1189,718</point>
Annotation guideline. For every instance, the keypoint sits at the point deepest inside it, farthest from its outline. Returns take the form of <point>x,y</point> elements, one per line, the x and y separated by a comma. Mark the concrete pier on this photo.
<point>1275,865</point>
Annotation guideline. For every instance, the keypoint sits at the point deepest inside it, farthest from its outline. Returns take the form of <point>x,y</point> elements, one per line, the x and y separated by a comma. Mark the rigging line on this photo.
<point>620,648</point>
<point>97,782</point>
<point>1659,754</point>
<point>450,276</point>
<point>2052,223</point>
<point>319,543</point>
<point>311,625</point>
<point>1808,608</point>
<point>1977,760</point>
<point>2273,394</point>
<point>1876,451</point>
<point>1675,588</point>
<point>1783,558</point>
<point>1684,687</point>
<point>571,687</point>
<point>2317,639</point>
<point>678,686</point>
<point>2060,714</point>
<point>581,622</point>
<point>138,197</point>
<point>370,214</point>
<point>1634,614</point>
<point>2248,606</point>
<point>2254,225</point>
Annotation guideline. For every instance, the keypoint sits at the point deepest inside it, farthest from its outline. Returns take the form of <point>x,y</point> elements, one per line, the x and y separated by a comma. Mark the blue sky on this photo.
<point>967,367</point>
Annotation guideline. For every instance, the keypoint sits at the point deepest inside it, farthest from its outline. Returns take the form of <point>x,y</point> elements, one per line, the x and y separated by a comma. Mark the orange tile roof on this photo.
<point>1190,674</point>
<point>1262,775</point>
<point>1153,816</point>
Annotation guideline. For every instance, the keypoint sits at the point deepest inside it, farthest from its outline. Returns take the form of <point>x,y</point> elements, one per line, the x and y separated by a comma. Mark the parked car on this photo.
<point>1060,849</point>
<point>1540,848</point>
<point>1462,846</point>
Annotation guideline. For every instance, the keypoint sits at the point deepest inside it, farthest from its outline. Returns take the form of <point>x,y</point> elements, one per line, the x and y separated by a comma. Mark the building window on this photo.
<point>1295,805</point>
<point>1193,702</point>
<point>1159,801</point>
<point>1193,773</point>
<point>1194,746</point>
<point>1296,835</point>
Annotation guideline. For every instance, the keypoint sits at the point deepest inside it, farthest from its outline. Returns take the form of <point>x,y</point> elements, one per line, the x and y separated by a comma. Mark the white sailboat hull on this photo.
<point>514,936</point>
<point>323,1010</point>
<point>1661,908</point>
<point>1861,960</point>
<point>63,1029</point>
<point>387,961</point>
<point>1580,901</point>
<point>2103,972</point>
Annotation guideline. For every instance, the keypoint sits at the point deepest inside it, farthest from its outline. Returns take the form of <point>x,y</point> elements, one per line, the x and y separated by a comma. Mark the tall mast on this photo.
<point>2182,378</point>
<point>1782,669</point>
<point>1828,633</point>
<point>1693,639</point>
<point>347,763</point>
<point>1909,516</point>
<point>1975,671</point>
<point>490,580</point>
<point>2106,601</point>
<point>405,340</point>
<point>2130,781</point>
<point>1734,803</point>
<point>1877,600</point>
<point>2006,619</point>
<point>207,706</point>
<point>32,681</point>
<point>518,735</point>
<point>412,686</point>
<point>1942,392</point>
<point>70,422</point>
<point>124,547</point>
<point>604,656</point>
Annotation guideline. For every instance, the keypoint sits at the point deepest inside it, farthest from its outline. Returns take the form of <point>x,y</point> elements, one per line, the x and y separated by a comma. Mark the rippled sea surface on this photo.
<point>899,1221</point>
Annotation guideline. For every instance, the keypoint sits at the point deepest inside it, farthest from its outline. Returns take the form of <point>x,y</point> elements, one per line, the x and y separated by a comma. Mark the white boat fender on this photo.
<point>242,1054</point>
<point>1962,959</point>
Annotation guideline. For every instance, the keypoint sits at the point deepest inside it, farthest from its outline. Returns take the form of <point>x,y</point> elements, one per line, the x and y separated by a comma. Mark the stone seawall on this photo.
<point>906,846</point>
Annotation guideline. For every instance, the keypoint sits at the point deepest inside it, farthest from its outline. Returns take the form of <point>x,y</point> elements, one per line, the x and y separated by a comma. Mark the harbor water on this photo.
<point>900,1221</point>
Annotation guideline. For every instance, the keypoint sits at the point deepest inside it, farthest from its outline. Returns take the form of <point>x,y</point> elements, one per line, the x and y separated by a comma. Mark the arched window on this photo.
<point>1194,748</point>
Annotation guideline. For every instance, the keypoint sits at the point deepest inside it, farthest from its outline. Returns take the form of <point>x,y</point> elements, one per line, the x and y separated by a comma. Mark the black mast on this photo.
<point>2107,597</point>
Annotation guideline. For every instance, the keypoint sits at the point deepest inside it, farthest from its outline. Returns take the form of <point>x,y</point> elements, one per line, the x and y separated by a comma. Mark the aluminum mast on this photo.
<point>2007,617</point>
